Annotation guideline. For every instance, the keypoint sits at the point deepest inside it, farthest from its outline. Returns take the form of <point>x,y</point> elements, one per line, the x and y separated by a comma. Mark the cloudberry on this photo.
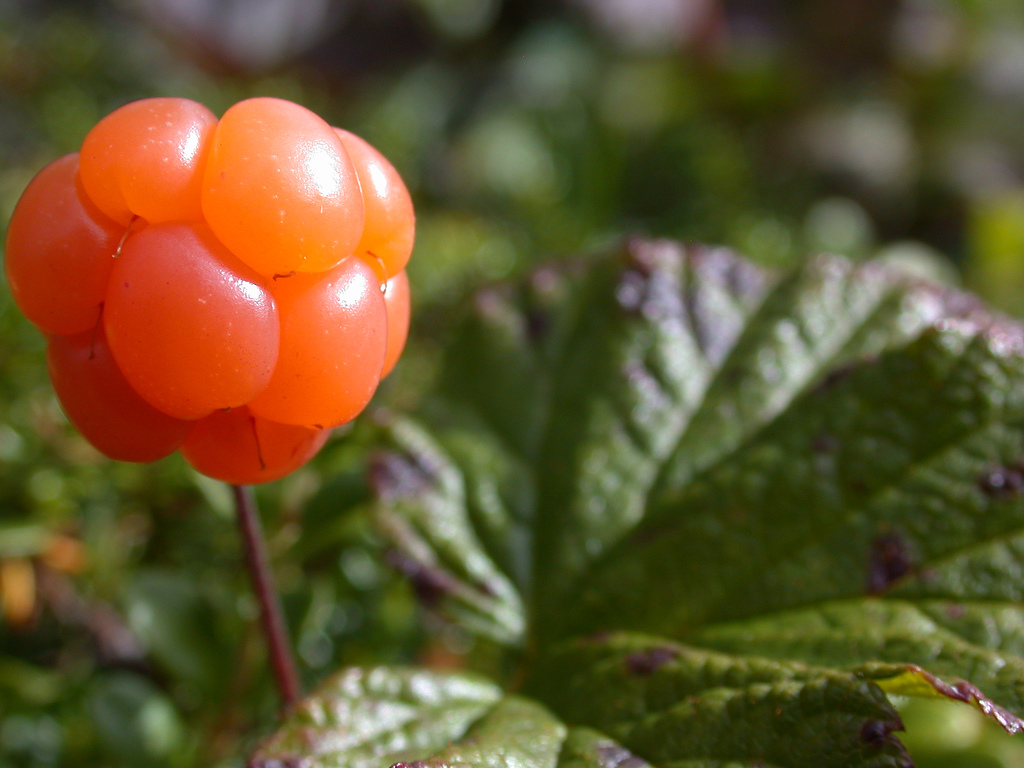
<point>232,287</point>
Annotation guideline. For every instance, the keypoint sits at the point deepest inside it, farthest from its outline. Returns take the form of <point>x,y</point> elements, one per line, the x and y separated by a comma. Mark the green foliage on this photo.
<point>667,703</point>
<point>718,516</point>
<point>526,130</point>
<point>367,717</point>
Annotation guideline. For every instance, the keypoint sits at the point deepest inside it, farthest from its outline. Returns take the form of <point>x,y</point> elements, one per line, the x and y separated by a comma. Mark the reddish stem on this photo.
<point>274,627</point>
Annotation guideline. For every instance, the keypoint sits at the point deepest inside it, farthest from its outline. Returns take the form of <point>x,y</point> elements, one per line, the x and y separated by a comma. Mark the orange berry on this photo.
<point>333,341</point>
<point>396,301</point>
<point>146,159</point>
<point>390,220</point>
<point>235,288</point>
<point>280,190</point>
<point>59,251</point>
<point>237,447</point>
<point>192,327</point>
<point>103,406</point>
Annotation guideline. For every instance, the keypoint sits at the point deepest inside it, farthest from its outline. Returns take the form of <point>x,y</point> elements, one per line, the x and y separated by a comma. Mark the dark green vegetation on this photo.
<point>717,516</point>
<point>776,497</point>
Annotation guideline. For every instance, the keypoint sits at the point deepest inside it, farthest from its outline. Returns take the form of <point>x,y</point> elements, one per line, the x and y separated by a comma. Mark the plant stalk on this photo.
<point>274,627</point>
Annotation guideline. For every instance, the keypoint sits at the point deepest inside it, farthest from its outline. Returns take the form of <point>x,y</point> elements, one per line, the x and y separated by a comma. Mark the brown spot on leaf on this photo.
<point>873,732</point>
<point>890,561</point>
<point>955,610</point>
<point>1002,482</point>
<point>538,323</point>
<point>825,443</point>
<point>878,733</point>
<point>649,661</point>
<point>431,584</point>
<point>397,476</point>
<point>834,376</point>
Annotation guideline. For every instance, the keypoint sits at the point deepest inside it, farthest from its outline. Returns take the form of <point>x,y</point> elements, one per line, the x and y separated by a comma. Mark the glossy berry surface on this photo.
<point>231,288</point>
<point>238,447</point>
<point>390,223</point>
<point>104,407</point>
<point>280,190</point>
<point>58,255</point>
<point>147,159</point>
<point>333,344</point>
<point>399,311</point>
<point>176,289</point>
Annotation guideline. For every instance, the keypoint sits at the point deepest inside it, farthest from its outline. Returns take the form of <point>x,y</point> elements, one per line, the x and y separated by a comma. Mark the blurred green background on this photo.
<point>526,131</point>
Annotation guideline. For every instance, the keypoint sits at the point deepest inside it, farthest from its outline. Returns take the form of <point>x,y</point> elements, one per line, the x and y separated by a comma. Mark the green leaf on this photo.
<point>427,515</point>
<point>650,329</point>
<point>587,748</point>
<point>516,732</point>
<point>367,718</point>
<point>672,703</point>
<point>176,622</point>
<point>577,387</point>
<point>887,638</point>
<point>817,479</point>
<point>911,680</point>
<point>858,485</point>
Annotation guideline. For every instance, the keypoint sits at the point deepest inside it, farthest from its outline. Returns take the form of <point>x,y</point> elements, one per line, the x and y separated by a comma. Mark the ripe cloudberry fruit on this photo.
<point>232,288</point>
<point>157,175</point>
<point>176,289</point>
<point>241,448</point>
<point>101,403</point>
<point>388,230</point>
<point>58,252</point>
<point>280,190</point>
<point>396,301</point>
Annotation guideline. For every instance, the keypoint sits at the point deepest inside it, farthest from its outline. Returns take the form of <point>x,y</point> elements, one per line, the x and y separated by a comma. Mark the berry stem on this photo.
<point>274,627</point>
